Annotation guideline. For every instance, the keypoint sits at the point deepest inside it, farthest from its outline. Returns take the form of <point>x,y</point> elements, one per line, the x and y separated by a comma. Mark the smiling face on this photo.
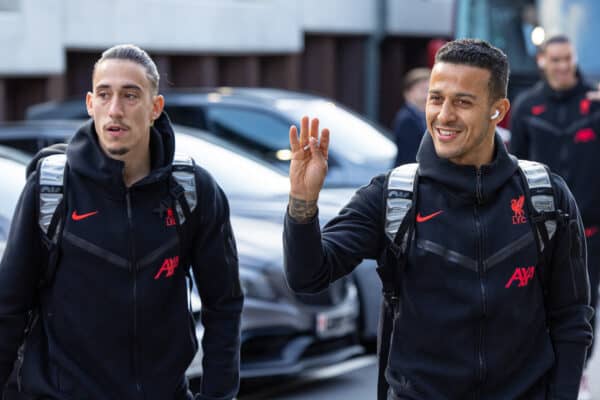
<point>123,106</point>
<point>458,112</point>
<point>559,64</point>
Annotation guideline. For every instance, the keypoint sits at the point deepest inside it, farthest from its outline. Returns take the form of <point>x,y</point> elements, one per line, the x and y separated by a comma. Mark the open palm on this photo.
<point>308,167</point>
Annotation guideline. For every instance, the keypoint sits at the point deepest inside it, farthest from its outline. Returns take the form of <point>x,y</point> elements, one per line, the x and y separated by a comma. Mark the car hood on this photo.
<point>259,242</point>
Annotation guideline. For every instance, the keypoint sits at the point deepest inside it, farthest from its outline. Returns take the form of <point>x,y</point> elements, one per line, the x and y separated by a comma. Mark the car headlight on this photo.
<point>255,285</point>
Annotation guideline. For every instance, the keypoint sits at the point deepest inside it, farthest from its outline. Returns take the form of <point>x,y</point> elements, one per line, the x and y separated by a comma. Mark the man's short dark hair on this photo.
<point>133,53</point>
<point>553,40</point>
<point>481,54</point>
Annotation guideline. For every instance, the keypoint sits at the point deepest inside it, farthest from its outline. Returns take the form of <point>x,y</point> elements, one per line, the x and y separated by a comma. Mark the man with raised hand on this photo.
<point>477,313</point>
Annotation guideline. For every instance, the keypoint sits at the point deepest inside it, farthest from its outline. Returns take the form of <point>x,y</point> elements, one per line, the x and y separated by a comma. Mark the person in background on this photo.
<point>409,123</point>
<point>556,122</point>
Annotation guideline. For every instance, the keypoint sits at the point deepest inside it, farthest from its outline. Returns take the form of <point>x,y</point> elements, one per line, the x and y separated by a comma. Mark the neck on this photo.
<point>136,168</point>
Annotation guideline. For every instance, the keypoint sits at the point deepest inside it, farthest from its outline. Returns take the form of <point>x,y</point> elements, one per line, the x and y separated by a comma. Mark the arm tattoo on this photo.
<point>302,210</point>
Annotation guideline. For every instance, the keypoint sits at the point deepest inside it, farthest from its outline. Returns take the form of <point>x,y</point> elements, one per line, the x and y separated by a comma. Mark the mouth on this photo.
<point>446,134</point>
<point>116,130</point>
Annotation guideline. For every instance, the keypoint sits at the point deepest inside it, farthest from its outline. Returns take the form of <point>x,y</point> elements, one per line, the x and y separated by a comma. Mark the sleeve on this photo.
<point>19,276</point>
<point>568,299</point>
<point>313,260</point>
<point>407,135</point>
<point>519,139</point>
<point>215,267</point>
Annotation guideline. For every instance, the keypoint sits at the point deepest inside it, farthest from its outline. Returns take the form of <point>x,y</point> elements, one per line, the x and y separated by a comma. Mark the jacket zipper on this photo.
<point>481,273</point>
<point>133,269</point>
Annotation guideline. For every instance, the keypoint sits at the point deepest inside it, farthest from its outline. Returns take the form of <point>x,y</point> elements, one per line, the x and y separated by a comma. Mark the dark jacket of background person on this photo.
<point>114,324</point>
<point>560,129</point>
<point>409,127</point>
<point>465,328</point>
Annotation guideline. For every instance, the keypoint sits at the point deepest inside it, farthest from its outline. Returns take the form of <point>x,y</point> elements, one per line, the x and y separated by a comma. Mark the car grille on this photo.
<point>333,295</point>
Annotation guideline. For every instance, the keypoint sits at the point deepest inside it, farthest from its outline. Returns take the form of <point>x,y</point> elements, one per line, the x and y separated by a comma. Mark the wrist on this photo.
<point>302,210</point>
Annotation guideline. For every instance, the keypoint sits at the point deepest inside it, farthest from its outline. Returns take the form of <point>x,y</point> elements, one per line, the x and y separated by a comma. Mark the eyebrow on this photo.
<point>128,86</point>
<point>460,94</point>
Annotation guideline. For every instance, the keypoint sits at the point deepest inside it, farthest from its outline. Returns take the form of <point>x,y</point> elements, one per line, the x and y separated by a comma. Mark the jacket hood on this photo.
<point>463,178</point>
<point>87,158</point>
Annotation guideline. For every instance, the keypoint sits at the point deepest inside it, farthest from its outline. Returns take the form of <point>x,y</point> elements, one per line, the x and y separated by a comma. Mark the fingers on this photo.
<point>314,128</point>
<point>304,131</point>
<point>324,145</point>
<point>594,96</point>
<point>294,142</point>
<point>309,137</point>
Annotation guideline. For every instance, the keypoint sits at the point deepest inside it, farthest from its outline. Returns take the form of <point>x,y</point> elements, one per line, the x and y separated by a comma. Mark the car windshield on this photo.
<point>235,173</point>
<point>12,175</point>
<point>354,137</point>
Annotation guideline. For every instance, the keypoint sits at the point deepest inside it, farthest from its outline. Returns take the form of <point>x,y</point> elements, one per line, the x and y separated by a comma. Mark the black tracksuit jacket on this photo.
<point>561,129</point>
<point>112,325</point>
<point>466,327</point>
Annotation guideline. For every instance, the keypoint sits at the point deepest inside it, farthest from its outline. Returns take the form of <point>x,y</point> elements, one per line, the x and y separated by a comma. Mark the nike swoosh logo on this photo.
<point>421,218</point>
<point>79,217</point>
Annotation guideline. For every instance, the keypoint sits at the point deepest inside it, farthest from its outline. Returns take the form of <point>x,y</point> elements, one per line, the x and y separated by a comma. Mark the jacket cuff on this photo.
<point>568,367</point>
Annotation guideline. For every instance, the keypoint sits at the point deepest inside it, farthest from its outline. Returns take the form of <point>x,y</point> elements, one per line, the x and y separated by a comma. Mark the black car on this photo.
<point>258,120</point>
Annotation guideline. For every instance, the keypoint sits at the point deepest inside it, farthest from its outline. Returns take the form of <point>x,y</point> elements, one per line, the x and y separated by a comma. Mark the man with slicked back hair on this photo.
<point>106,237</point>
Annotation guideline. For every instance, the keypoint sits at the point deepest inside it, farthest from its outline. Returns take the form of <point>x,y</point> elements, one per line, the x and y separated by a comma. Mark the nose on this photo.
<point>115,108</point>
<point>446,113</point>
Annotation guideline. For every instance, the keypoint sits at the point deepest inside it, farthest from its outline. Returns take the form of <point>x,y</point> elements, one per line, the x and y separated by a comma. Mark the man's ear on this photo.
<point>541,61</point>
<point>501,106</point>
<point>158,104</point>
<point>88,104</point>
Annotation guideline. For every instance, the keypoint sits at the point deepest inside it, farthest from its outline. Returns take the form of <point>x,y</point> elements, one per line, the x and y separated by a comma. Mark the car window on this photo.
<point>234,172</point>
<point>251,129</point>
<point>12,176</point>
<point>184,115</point>
<point>351,135</point>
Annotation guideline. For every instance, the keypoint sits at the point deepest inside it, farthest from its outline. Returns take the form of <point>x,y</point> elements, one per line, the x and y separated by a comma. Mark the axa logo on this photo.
<point>584,135</point>
<point>517,207</point>
<point>168,267</point>
<point>170,218</point>
<point>522,275</point>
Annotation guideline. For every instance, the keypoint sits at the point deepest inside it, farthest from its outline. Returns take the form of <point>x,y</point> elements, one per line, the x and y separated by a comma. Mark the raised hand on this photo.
<point>308,167</point>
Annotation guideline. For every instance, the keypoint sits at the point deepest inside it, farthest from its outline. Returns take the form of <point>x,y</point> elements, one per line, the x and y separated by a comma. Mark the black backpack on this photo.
<point>400,210</point>
<point>52,172</point>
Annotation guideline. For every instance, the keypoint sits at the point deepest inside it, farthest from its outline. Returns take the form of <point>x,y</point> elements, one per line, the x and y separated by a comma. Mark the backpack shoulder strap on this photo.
<point>540,193</point>
<point>399,216</point>
<point>399,197</point>
<point>186,197</point>
<point>51,181</point>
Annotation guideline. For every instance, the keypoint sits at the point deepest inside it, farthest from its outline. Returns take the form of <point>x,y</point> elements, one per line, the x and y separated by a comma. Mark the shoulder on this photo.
<point>528,97</point>
<point>561,189</point>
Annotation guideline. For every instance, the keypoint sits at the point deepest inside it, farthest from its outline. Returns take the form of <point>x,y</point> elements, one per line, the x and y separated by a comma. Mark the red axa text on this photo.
<point>522,275</point>
<point>168,267</point>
